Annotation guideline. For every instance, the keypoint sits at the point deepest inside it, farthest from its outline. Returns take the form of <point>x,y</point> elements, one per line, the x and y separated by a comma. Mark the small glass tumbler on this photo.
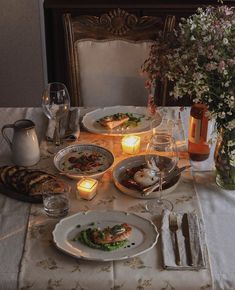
<point>56,198</point>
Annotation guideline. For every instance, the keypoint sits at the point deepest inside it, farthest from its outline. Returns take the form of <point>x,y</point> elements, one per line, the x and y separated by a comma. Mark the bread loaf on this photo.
<point>24,180</point>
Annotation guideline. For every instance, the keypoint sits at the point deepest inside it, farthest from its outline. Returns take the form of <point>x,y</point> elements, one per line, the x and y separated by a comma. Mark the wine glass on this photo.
<point>162,157</point>
<point>55,104</point>
<point>160,122</point>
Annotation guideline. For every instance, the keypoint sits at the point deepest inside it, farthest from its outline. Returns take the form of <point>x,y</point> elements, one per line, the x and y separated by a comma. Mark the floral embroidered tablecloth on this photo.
<point>43,266</point>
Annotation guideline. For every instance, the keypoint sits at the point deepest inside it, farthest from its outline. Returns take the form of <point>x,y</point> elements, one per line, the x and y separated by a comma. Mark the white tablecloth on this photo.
<point>218,208</point>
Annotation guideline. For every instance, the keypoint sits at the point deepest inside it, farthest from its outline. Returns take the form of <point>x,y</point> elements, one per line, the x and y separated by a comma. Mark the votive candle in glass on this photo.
<point>131,144</point>
<point>87,188</point>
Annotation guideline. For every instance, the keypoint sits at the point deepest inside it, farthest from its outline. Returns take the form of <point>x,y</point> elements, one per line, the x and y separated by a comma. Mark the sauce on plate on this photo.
<point>85,161</point>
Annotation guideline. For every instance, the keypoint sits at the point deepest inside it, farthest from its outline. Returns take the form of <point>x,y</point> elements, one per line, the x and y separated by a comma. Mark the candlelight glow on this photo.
<point>87,184</point>
<point>87,188</point>
<point>131,144</point>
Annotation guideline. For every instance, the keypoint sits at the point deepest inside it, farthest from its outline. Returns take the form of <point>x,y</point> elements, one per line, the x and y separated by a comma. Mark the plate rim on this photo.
<point>150,222</point>
<point>93,130</point>
<point>77,175</point>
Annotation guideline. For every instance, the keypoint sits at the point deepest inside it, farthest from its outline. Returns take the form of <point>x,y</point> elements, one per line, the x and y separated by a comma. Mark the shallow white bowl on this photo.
<point>81,148</point>
<point>134,162</point>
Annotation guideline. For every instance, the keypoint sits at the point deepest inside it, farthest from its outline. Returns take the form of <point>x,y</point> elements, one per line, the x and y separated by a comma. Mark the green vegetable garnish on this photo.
<point>117,229</point>
<point>85,238</point>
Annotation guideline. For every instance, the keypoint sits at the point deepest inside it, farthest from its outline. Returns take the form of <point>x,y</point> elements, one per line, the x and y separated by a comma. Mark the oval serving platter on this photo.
<point>135,161</point>
<point>91,120</point>
<point>82,160</point>
<point>144,235</point>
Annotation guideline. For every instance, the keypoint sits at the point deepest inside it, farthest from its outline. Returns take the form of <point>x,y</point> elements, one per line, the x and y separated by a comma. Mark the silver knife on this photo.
<point>150,189</point>
<point>186,234</point>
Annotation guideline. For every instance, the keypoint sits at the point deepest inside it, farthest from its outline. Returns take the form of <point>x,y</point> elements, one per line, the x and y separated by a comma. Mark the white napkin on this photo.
<point>69,126</point>
<point>197,242</point>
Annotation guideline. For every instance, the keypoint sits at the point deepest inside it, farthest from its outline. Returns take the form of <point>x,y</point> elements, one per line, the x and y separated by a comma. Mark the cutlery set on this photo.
<point>174,227</point>
<point>182,241</point>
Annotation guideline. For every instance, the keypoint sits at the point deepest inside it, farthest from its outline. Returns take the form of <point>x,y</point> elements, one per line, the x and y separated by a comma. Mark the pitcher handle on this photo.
<point>5,135</point>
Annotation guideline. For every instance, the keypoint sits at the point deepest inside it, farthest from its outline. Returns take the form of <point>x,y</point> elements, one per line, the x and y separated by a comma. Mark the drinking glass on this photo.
<point>55,104</point>
<point>55,195</point>
<point>162,157</point>
<point>166,125</point>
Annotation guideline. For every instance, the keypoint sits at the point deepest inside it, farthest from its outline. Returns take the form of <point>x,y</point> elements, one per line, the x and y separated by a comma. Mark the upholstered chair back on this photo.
<point>105,54</point>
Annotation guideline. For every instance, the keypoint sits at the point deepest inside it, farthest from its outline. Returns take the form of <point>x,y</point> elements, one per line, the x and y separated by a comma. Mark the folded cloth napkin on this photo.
<point>196,239</point>
<point>69,126</point>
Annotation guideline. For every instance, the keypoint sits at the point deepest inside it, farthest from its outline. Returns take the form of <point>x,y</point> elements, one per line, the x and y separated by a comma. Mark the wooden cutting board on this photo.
<point>18,195</point>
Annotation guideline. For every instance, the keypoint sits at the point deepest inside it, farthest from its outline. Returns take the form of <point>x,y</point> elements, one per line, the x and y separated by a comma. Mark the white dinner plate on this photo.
<point>105,159</point>
<point>143,237</point>
<point>131,162</point>
<point>90,120</point>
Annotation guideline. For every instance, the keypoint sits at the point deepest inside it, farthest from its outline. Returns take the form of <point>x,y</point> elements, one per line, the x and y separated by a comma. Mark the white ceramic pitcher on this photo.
<point>24,144</point>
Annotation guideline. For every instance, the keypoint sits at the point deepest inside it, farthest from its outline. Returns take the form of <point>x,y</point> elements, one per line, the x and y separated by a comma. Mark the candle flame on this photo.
<point>87,183</point>
<point>131,140</point>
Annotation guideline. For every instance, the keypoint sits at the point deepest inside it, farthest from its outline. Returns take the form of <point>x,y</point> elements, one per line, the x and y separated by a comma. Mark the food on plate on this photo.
<point>145,177</point>
<point>23,180</point>
<point>138,177</point>
<point>118,119</point>
<point>108,239</point>
<point>113,121</point>
<point>85,161</point>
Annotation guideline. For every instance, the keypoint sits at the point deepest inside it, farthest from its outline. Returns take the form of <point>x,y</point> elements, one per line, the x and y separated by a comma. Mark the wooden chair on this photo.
<point>105,54</point>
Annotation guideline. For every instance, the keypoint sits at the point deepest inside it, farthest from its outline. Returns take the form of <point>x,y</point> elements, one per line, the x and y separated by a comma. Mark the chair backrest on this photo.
<point>105,54</point>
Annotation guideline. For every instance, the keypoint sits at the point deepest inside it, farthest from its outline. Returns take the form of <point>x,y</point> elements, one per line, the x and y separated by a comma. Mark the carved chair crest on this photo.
<point>116,23</point>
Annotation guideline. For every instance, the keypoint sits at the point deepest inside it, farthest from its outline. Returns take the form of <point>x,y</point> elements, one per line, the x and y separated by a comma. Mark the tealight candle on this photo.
<point>86,188</point>
<point>131,144</point>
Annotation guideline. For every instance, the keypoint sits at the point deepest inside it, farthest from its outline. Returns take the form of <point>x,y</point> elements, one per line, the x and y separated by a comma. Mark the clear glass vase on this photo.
<point>225,159</point>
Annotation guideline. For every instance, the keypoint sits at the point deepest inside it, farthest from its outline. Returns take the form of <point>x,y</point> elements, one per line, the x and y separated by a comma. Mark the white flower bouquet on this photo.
<point>199,58</point>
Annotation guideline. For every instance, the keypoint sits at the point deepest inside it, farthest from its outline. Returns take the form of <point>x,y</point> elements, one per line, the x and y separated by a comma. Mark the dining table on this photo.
<point>29,258</point>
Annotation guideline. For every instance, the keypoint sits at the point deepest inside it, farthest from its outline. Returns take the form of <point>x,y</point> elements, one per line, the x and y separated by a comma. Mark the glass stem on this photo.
<point>57,132</point>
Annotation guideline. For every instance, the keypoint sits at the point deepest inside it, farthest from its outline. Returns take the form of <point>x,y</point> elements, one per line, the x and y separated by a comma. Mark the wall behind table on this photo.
<point>22,76</point>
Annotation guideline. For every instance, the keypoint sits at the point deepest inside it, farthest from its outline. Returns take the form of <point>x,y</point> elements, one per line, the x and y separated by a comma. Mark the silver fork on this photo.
<point>173,226</point>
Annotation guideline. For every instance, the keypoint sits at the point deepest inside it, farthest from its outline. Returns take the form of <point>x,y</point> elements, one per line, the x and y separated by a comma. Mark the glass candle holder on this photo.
<point>87,188</point>
<point>131,144</point>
